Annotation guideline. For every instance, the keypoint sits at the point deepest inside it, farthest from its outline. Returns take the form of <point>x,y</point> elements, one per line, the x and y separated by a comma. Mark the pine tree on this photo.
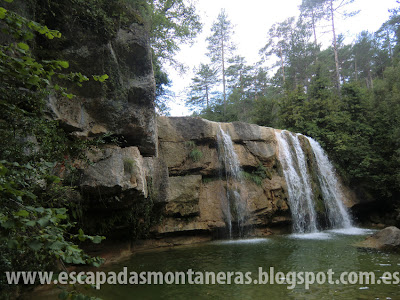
<point>312,11</point>
<point>278,44</point>
<point>201,87</point>
<point>220,46</point>
<point>328,9</point>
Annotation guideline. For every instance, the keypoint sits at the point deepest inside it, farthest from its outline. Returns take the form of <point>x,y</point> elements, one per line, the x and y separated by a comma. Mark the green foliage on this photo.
<point>40,229</point>
<point>258,175</point>
<point>144,215</point>
<point>135,221</point>
<point>264,111</point>
<point>97,18</point>
<point>220,47</point>
<point>201,87</point>
<point>129,165</point>
<point>195,154</point>
<point>251,177</point>
<point>163,94</point>
<point>36,228</point>
<point>172,23</point>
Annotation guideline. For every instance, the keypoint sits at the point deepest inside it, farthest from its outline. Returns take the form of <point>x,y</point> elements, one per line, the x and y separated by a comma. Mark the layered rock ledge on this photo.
<point>198,179</point>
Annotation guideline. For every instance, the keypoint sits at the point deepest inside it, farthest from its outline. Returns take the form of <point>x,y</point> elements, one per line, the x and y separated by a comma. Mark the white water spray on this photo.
<point>301,195</point>
<point>235,208</point>
<point>301,199</point>
<point>331,189</point>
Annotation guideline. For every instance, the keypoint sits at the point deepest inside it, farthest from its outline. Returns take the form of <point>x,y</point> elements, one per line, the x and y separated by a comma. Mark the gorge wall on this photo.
<point>180,195</point>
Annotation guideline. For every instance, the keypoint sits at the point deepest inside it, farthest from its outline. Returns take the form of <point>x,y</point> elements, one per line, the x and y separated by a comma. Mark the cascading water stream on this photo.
<point>301,196</point>
<point>235,208</point>
<point>298,182</point>
<point>331,189</point>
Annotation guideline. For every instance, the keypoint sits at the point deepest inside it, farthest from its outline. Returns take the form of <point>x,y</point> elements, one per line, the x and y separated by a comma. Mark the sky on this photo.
<point>252,20</point>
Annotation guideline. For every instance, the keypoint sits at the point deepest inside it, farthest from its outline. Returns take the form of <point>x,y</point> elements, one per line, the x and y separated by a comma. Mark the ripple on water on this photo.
<point>243,241</point>
<point>311,236</point>
<point>352,231</point>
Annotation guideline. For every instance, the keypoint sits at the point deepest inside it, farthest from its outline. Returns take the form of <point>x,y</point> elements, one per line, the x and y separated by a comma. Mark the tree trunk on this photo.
<point>207,95</point>
<point>390,45</point>
<point>371,82</point>
<point>335,50</point>
<point>313,26</point>
<point>282,65</point>
<point>223,72</point>
<point>355,68</point>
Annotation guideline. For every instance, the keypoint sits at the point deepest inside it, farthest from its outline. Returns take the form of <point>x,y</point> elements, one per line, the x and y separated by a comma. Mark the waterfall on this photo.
<point>301,199</point>
<point>235,208</point>
<point>298,179</point>
<point>331,189</point>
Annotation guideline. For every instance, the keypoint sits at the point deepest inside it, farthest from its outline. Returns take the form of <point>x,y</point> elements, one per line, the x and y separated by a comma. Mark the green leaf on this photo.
<point>34,80</point>
<point>63,64</point>
<point>23,46</point>
<point>63,295</point>
<point>78,261</point>
<point>39,210</point>
<point>8,224</point>
<point>22,213</point>
<point>61,211</point>
<point>35,245</point>
<point>12,244</point>
<point>100,78</point>
<point>2,13</point>
<point>30,223</point>
<point>61,217</point>
<point>96,264</point>
<point>97,239</point>
<point>57,245</point>
<point>81,235</point>
<point>3,170</point>
<point>44,221</point>
<point>53,179</point>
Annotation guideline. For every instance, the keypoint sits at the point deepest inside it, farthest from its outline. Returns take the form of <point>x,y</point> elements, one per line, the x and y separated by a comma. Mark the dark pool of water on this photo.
<point>287,253</point>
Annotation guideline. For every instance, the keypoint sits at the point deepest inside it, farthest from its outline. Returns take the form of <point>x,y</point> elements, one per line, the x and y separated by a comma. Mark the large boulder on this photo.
<point>386,239</point>
<point>117,173</point>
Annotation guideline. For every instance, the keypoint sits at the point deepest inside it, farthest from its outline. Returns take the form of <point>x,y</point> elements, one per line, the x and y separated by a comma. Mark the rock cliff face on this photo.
<point>186,186</point>
<point>187,190</point>
<point>124,107</point>
<point>104,38</point>
<point>123,180</point>
<point>196,189</point>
